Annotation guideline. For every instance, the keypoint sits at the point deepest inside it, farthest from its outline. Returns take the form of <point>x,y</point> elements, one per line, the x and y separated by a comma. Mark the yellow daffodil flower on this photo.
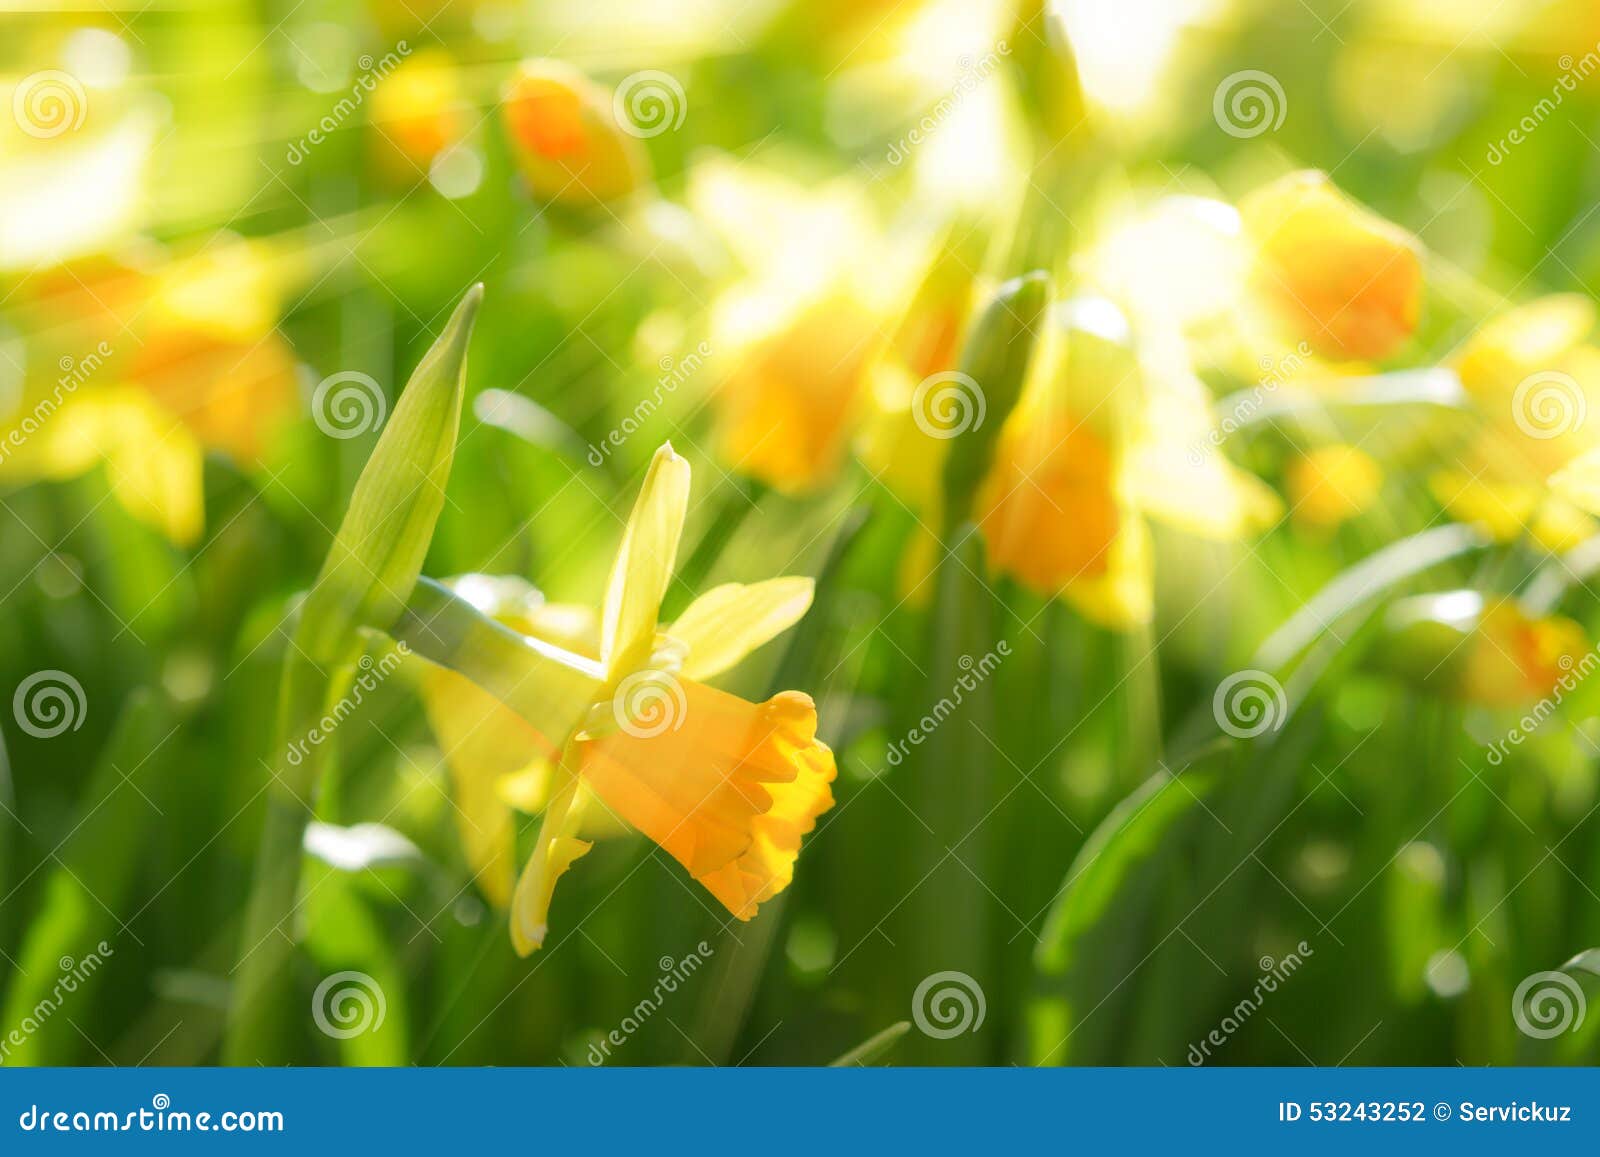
<point>205,369</point>
<point>802,332</point>
<point>1096,444</point>
<point>1489,654</point>
<point>1335,275</point>
<point>1536,381</point>
<point>726,787</point>
<point>564,133</point>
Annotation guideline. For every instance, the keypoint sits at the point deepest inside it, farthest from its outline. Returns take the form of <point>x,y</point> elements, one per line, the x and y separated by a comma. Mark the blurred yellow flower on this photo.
<point>419,106</point>
<point>726,787</point>
<point>1536,380</point>
<point>566,138</point>
<point>804,328</point>
<point>1330,485</point>
<point>1337,276</point>
<point>1098,442</point>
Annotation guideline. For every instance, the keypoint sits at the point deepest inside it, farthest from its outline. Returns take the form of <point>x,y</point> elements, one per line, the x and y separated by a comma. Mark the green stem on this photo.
<point>261,1030</point>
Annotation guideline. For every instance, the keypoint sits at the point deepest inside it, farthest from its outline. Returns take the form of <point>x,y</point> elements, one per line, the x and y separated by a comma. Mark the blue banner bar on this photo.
<point>795,1111</point>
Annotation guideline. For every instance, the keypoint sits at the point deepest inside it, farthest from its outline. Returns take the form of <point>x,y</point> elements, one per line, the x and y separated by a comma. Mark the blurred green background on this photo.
<point>207,210</point>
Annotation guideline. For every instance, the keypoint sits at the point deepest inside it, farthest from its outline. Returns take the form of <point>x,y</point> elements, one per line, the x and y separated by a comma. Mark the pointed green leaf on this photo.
<point>377,555</point>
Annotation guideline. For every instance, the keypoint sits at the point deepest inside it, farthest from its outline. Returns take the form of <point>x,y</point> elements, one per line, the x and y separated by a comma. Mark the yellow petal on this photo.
<point>555,849</point>
<point>1579,482</point>
<point>728,622</point>
<point>724,786</point>
<point>644,563</point>
<point>1527,340</point>
<point>484,743</point>
<point>566,138</point>
<point>1343,279</point>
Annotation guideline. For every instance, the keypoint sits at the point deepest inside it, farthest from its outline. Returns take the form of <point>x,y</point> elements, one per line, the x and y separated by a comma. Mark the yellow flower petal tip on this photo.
<point>1343,279</point>
<point>566,138</point>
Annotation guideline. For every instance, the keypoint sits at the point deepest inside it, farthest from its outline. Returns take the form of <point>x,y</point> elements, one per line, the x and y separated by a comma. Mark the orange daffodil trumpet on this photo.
<point>629,731</point>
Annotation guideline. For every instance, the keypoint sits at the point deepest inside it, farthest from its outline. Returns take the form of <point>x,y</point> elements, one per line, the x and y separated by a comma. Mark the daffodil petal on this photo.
<point>644,562</point>
<point>1579,482</point>
<point>555,849</point>
<point>728,622</point>
<point>484,743</point>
